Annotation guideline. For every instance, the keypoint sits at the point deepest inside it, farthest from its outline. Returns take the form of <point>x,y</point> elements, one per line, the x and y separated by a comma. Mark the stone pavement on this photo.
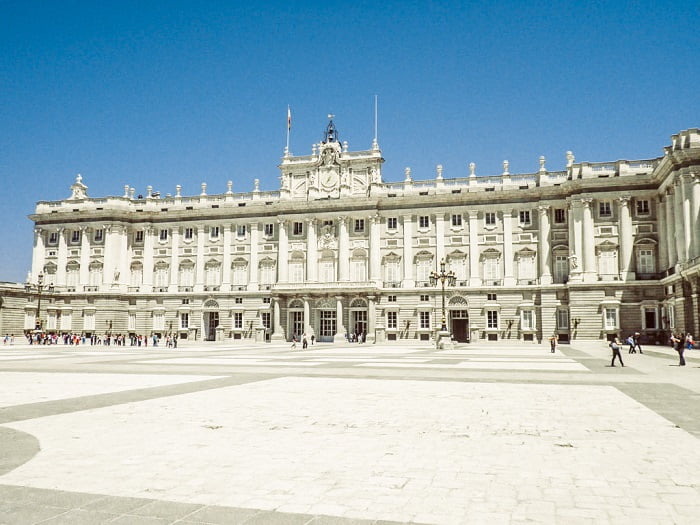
<point>347,434</point>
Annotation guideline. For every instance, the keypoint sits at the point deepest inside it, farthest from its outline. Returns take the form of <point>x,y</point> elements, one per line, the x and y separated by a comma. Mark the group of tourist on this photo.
<point>679,343</point>
<point>68,338</point>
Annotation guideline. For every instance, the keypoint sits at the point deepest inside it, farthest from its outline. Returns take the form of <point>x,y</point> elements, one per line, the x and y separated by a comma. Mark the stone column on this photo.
<point>375,249</point>
<point>110,256</point>
<point>670,238</point>
<point>282,252</point>
<point>226,270</point>
<point>199,270</point>
<point>695,214</point>
<point>474,279</point>
<point>148,258</point>
<point>254,256</point>
<point>544,256</point>
<point>84,279</point>
<point>508,273</point>
<point>311,251</point>
<point>663,247</point>
<point>38,254</point>
<point>687,196</point>
<point>339,322</point>
<point>678,213</point>
<point>575,248</point>
<point>440,236</point>
<point>343,250</point>
<point>626,235</point>
<point>408,279</point>
<point>62,258</point>
<point>371,319</point>
<point>277,332</point>
<point>174,260</point>
<point>308,330</point>
<point>124,270</point>
<point>589,267</point>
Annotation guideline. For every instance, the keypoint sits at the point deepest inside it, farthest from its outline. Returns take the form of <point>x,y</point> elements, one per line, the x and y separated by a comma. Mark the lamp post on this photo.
<point>38,288</point>
<point>443,277</point>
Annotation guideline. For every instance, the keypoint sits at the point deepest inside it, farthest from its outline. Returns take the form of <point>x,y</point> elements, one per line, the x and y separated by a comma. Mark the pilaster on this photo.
<point>148,232</point>
<point>84,277</point>
<point>254,256</point>
<point>544,247</point>
<point>408,279</point>
<point>174,260</point>
<point>589,266</point>
<point>226,270</point>
<point>508,273</point>
<point>474,279</point>
<point>282,252</point>
<point>343,250</point>
<point>199,269</point>
<point>375,249</point>
<point>311,251</point>
<point>625,236</point>
<point>62,258</point>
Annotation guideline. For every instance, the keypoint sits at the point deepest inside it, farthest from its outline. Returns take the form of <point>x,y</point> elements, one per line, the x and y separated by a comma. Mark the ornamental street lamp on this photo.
<point>38,288</point>
<point>443,277</point>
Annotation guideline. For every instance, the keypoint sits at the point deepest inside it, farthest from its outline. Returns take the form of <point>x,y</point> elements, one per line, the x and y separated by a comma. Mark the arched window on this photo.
<point>358,265</point>
<point>327,267</point>
<point>212,271</point>
<point>239,269</point>
<point>296,267</point>
<point>95,273</point>
<point>186,273</point>
<point>136,273</point>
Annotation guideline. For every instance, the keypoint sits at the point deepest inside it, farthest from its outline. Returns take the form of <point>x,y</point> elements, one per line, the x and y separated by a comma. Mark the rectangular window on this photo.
<point>391,298</point>
<point>328,222</point>
<point>392,223</point>
<point>391,320</point>
<point>131,326</point>
<point>646,262</point>
<point>238,300</point>
<point>611,318</point>
<point>457,220</point>
<point>298,228</point>
<point>650,321</point>
<point>425,298</point>
<point>527,320</point>
<point>75,236</point>
<point>265,320</point>
<point>184,321</point>
<point>163,235</point>
<point>607,263</point>
<point>269,230</point>
<point>359,225</point>
<point>53,238</point>
<point>563,319</point>
<point>214,232</point>
<point>139,236</point>
<point>491,296</point>
<point>604,209</point>
<point>99,235</point>
<point>492,319</point>
<point>642,207</point>
<point>237,320</point>
<point>158,320</point>
<point>561,268</point>
<point>189,233</point>
<point>424,221</point>
<point>490,218</point>
<point>240,231</point>
<point>424,319</point>
<point>266,300</point>
<point>524,217</point>
<point>560,216</point>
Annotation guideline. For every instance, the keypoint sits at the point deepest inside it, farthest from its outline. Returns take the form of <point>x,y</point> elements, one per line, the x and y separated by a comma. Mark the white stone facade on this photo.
<point>596,250</point>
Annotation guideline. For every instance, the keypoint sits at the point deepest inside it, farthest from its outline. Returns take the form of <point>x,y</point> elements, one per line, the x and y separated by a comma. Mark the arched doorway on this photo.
<point>459,319</point>
<point>327,321</point>
<point>211,319</point>
<point>358,317</point>
<point>295,319</point>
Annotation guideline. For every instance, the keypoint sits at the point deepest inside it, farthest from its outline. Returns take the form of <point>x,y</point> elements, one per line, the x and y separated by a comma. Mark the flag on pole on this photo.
<point>289,118</point>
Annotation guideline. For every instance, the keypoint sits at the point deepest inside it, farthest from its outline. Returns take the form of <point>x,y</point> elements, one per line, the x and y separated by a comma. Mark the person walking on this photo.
<point>294,341</point>
<point>677,343</point>
<point>304,342</point>
<point>615,346</point>
<point>553,342</point>
<point>630,342</point>
<point>637,338</point>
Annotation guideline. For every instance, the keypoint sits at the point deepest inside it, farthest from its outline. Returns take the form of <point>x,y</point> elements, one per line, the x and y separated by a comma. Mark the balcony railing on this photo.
<point>338,285</point>
<point>392,284</point>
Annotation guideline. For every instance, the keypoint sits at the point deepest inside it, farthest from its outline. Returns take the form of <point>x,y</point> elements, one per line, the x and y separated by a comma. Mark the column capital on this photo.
<point>342,220</point>
<point>311,221</point>
<point>587,201</point>
<point>375,219</point>
<point>281,221</point>
<point>543,208</point>
<point>624,200</point>
<point>473,214</point>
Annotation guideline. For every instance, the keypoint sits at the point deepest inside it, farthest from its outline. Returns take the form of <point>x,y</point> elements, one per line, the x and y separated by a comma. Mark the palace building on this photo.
<point>591,252</point>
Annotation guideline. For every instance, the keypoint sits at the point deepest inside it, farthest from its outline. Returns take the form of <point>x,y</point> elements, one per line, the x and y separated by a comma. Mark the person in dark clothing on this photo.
<point>615,346</point>
<point>637,339</point>
<point>677,342</point>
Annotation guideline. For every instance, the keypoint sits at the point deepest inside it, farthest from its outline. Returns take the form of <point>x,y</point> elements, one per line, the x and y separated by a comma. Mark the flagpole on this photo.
<point>289,127</point>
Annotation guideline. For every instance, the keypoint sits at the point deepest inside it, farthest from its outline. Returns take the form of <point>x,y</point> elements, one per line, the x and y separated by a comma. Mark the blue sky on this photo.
<point>178,92</point>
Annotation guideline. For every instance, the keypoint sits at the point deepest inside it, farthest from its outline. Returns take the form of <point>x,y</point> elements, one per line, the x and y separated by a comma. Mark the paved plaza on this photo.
<point>347,434</point>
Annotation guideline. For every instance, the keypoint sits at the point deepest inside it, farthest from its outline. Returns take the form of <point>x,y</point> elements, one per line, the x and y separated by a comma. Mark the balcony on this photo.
<point>493,282</point>
<point>648,276</point>
<point>325,287</point>
<point>392,284</point>
<point>90,288</point>
<point>184,288</point>
<point>527,282</point>
<point>133,289</point>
